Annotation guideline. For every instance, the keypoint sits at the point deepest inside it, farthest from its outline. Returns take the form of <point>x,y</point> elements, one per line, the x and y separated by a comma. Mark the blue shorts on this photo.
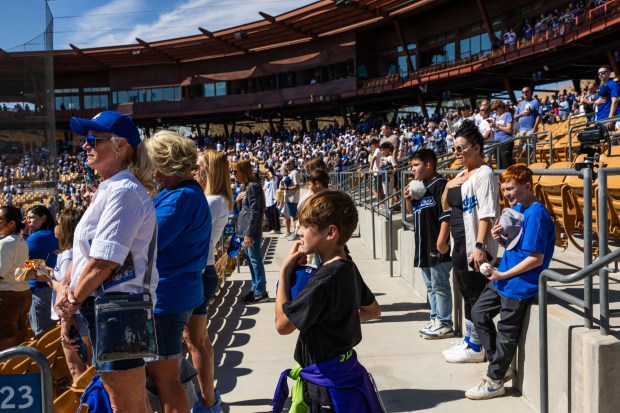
<point>291,209</point>
<point>88,311</point>
<point>169,329</point>
<point>209,286</point>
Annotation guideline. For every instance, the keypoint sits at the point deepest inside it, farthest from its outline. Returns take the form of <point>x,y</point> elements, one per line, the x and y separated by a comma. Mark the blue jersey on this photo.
<point>43,245</point>
<point>538,235</point>
<point>183,237</point>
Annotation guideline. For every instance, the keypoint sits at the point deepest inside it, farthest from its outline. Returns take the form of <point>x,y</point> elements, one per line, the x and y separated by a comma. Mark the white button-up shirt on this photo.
<point>120,219</point>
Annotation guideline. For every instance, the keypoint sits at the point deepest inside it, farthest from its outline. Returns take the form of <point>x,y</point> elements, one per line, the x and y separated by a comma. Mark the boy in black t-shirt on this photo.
<point>432,228</point>
<point>328,311</point>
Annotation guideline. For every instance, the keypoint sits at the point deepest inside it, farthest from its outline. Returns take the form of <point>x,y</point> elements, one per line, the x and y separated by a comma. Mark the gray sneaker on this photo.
<point>438,331</point>
<point>293,237</point>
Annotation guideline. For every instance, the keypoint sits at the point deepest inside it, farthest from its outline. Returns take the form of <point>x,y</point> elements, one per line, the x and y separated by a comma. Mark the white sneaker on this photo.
<point>454,346</point>
<point>428,326</point>
<point>466,355</point>
<point>438,331</point>
<point>487,389</point>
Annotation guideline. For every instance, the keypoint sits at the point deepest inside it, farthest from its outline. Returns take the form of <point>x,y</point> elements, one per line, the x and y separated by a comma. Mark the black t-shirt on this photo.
<point>427,217</point>
<point>326,312</point>
<point>455,200</point>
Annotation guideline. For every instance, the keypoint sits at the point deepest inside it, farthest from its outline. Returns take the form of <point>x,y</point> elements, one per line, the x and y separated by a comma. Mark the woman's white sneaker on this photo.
<point>455,345</point>
<point>466,355</point>
<point>487,389</point>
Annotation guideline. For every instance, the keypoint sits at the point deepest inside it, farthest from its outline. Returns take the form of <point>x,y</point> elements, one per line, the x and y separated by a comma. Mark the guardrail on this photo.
<point>26,398</point>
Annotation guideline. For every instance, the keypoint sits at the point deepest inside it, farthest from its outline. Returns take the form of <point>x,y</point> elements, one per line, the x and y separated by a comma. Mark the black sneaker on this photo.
<point>257,299</point>
<point>249,296</point>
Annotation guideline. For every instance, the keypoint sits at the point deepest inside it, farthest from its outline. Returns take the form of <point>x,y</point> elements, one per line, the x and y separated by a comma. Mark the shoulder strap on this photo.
<point>149,266</point>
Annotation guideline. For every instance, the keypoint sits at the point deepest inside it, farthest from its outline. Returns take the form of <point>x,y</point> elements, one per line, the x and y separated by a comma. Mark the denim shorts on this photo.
<point>88,311</point>
<point>209,286</point>
<point>291,209</point>
<point>169,329</point>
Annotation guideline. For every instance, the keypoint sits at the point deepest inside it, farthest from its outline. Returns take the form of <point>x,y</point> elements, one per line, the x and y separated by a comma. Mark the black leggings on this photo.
<point>470,283</point>
<point>273,218</point>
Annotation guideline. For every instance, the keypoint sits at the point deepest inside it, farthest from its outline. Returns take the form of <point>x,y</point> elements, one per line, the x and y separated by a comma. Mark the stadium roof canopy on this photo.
<point>314,21</point>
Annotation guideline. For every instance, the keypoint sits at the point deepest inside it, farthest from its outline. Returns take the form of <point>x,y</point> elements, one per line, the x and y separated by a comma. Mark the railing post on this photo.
<point>602,250</point>
<point>542,351</point>
<point>587,244</point>
<point>389,212</point>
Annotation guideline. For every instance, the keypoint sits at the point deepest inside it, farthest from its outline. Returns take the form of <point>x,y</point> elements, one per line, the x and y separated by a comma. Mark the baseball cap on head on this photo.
<point>465,107</point>
<point>111,122</point>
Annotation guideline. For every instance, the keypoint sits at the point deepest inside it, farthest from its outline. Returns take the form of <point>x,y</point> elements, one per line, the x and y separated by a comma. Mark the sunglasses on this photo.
<point>460,149</point>
<point>196,167</point>
<point>526,91</point>
<point>234,171</point>
<point>91,140</point>
<point>603,72</point>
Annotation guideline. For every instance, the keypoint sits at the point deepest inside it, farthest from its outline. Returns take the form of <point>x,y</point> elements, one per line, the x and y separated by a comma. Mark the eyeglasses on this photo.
<point>526,91</point>
<point>91,140</point>
<point>602,72</point>
<point>460,149</point>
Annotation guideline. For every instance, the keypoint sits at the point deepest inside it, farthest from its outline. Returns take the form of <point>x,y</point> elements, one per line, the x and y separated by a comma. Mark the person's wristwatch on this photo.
<point>481,246</point>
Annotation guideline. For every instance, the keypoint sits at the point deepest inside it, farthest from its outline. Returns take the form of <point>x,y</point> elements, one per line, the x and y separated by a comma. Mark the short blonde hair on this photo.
<point>171,153</point>
<point>217,170</point>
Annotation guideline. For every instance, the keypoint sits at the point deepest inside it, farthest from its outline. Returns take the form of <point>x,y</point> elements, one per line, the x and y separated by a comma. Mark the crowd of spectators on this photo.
<point>549,24</point>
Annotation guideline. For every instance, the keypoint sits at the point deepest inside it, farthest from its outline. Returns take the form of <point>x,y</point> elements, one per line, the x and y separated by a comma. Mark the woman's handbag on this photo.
<point>125,323</point>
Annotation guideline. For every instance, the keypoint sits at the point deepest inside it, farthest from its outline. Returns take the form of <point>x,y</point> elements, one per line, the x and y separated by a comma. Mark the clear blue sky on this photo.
<point>92,23</point>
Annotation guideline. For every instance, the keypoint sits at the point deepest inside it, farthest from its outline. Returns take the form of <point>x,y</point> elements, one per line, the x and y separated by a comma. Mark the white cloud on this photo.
<point>188,15</point>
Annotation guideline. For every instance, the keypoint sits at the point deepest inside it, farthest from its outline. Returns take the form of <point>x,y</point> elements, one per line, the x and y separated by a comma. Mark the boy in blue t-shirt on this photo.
<point>528,235</point>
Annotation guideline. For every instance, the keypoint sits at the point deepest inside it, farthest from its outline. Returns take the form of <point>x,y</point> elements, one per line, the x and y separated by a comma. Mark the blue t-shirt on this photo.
<point>503,120</point>
<point>612,90</point>
<point>526,123</point>
<point>43,245</point>
<point>183,237</point>
<point>538,235</point>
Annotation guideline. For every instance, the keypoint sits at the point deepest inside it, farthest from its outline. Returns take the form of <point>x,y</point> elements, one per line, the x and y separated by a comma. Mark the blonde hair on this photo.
<point>217,170</point>
<point>171,153</point>
<point>139,164</point>
<point>245,167</point>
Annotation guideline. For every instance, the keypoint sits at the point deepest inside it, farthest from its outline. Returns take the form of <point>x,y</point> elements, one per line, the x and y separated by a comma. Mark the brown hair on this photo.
<point>68,220</point>
<point>319,175</point>
<point>245,167</point>
<point>315,163</point>
<point>519,172</point>
<point>330,207</point>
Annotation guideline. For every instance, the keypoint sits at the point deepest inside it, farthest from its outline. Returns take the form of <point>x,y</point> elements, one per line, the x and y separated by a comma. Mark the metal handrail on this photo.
<point>582,274</point>
<point>47,400</point>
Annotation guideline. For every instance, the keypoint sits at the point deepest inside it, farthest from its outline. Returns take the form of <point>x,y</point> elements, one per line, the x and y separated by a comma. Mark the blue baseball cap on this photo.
<point>111,122</point>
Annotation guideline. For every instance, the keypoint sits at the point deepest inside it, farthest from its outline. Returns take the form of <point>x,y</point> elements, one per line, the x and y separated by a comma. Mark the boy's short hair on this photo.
<point>426,156</point>
<point>330,207</point>
<point>374,141</point>
<point>386,145</point>
<point>319,175</point>
<point>519,172</point>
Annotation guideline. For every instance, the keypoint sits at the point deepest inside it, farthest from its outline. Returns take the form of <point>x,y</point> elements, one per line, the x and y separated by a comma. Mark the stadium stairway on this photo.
<point>409,371</point>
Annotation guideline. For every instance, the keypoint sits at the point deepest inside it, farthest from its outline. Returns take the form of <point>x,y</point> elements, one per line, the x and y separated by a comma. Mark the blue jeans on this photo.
<point>41,311</point>
<point>257,269</point>
<point>437,280</point>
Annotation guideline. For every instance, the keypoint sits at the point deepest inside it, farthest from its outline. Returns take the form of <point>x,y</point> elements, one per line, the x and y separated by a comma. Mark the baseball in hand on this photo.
<point>486,269</point>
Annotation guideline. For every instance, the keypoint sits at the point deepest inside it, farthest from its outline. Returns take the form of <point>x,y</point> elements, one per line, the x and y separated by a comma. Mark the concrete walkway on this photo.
<point>410,371</point>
